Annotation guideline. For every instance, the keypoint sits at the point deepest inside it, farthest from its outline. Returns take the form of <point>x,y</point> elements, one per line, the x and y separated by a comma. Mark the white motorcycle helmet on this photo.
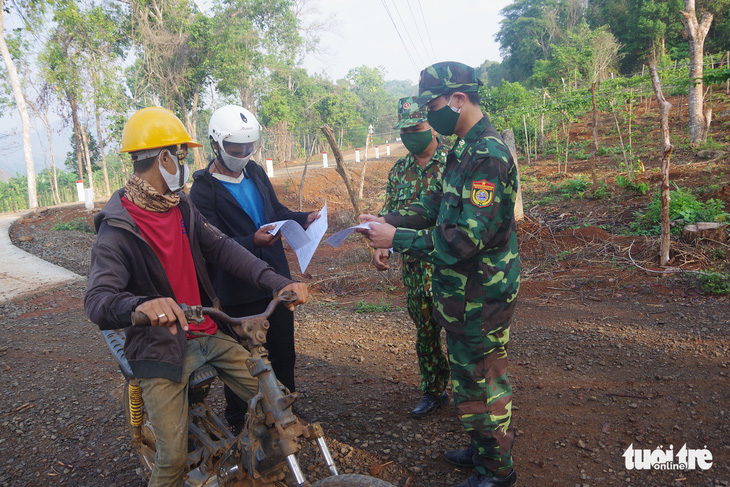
<point>235,130</point>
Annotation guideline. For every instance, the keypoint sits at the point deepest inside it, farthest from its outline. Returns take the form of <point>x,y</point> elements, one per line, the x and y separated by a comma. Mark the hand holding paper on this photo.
<point>379,233</point>
<point>303,242</point>
<point>266,236</point>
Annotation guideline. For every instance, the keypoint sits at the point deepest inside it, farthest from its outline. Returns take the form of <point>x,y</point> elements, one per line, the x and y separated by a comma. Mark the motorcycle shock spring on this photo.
<point>135,404</point>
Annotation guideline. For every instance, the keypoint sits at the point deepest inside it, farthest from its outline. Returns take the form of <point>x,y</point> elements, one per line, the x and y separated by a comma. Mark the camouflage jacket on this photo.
<point>408,183</point>
<point>473,244</point>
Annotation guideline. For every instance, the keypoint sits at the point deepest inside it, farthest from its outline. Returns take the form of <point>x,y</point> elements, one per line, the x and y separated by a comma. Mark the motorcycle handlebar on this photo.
<point>195,313</point>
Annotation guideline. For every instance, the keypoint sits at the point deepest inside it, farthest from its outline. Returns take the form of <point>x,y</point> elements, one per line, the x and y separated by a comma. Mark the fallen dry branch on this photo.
<point>668,270</point>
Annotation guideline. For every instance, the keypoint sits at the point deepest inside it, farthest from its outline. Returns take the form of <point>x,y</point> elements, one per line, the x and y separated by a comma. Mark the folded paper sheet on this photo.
<point>303,242</point>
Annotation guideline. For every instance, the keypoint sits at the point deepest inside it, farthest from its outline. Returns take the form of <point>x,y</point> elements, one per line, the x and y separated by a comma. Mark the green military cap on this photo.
<point>409,114</point>
<point>446,77</point>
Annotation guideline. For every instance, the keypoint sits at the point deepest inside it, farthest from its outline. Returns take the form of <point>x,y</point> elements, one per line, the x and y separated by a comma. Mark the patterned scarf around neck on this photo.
<point>144,195</point>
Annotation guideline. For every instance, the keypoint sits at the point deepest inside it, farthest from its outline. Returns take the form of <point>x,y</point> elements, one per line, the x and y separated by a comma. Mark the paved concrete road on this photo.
<point>22,274</point>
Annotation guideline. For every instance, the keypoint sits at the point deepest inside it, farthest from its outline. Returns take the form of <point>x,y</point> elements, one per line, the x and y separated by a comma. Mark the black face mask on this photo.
<point>444,119</point>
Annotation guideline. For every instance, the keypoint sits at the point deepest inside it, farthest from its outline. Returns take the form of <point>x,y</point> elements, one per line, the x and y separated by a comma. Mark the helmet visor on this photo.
<point>239,150</point>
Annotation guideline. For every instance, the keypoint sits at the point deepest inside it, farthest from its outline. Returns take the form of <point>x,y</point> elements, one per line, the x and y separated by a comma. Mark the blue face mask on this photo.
<point>444,119</point>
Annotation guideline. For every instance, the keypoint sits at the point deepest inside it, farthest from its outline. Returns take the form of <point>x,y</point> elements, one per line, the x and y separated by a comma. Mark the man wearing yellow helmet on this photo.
<point>150,254</point>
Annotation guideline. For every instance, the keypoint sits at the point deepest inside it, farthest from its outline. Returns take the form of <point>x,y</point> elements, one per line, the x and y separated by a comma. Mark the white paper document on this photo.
<point>303,243</point>
<point>339,237</point>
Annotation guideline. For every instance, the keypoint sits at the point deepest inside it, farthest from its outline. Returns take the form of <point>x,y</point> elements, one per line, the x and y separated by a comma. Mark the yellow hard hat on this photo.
<point>154,128</point>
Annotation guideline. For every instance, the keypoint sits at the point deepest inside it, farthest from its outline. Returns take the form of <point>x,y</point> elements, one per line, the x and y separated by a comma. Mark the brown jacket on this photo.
<point>125,272</point>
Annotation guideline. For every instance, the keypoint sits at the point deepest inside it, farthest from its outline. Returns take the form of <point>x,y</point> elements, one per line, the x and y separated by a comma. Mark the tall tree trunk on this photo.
<point>198,158</point>
<point>54,174</point>
<point>77,136</point>
<point>100,136</point>
<point>664,107</point>
<point>699,116</point>
<point>87,159</point>
<point>191,126</point>
<point>627,162</point>
<point>306,165</point>
<point>22,111</point>
<point>527,138</point>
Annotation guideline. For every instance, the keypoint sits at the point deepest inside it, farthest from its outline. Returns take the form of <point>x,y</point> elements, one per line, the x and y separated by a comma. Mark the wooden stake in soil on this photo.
<point>342,169</point>
<point>594,151</point>
<point>664,107</point>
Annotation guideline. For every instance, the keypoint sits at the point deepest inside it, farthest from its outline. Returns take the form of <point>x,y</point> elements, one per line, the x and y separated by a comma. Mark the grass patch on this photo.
<point>384,307</point>
<point>630,184</point>
<point>75,225</point>
<point>572,188</point>
<point>715,283</point>
<point>684,209</point>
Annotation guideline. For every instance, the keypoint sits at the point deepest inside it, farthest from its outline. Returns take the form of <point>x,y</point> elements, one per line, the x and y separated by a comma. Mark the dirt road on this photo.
<point>600,361</point>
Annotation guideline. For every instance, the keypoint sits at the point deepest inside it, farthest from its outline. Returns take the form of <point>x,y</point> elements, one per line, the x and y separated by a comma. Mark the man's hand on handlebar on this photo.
<point>300,290</point>
<point>165,312</point>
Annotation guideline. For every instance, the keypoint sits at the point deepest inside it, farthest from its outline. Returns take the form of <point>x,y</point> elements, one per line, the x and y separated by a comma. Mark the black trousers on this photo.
<point>279,343</point>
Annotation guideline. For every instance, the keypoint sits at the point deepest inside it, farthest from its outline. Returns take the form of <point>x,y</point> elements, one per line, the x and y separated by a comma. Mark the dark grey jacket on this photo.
<point>126,272</point>
<point>222,210</point>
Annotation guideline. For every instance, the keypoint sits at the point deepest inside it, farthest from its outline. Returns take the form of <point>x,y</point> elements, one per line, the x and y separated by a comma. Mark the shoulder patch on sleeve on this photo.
<point>482,193</point>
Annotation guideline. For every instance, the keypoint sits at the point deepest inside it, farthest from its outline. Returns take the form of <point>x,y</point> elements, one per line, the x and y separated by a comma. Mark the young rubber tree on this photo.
<point>700,116</point>
<point>34,8</point>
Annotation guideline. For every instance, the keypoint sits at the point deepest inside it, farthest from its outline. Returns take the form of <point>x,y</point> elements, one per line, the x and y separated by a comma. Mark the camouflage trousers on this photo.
<point>432,362</point>
<point>483,395</point>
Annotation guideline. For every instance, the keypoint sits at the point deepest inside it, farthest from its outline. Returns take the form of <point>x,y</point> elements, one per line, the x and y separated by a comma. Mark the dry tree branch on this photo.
<point>668,270</point>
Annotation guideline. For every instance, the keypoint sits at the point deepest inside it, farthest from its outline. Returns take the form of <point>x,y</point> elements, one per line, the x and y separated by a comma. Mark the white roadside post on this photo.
<point>324,159</point>
<point>270,167</point>
<point>377,152</point>
<point>357,155</point>
<point>80,190</point>
<point>89,198</point>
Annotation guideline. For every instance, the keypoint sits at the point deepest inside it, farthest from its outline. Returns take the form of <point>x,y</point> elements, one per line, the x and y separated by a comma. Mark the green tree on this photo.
<point>94,153</point>
<point>338,109</point>
<point>646,29</point>
<point>103,44</point>
<point>62,61</point>
<point>31,18</point>
<point>375,106</point>
<point>173,38</point>
<point>251,38</point>
<point>584,54</point>
<point>528,29</point>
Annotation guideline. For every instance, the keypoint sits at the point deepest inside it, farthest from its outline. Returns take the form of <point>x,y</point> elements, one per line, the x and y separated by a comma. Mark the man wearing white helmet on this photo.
<point>236,196</point>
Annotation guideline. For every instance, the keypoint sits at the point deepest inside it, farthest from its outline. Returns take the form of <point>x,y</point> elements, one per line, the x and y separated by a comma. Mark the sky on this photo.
<point>404,36</point>
<point>401,36</point>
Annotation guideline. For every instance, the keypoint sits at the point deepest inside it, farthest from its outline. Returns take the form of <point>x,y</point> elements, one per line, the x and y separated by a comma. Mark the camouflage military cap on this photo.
<point>409,114</point>
<point>446,77</point>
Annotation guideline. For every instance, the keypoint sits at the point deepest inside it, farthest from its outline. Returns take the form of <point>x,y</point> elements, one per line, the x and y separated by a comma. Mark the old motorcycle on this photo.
<point>264,454</point>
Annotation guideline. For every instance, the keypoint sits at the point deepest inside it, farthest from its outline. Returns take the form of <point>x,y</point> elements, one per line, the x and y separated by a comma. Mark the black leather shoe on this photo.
<point>480,480</point>
<point>461,458</point>
<point>430,403</point>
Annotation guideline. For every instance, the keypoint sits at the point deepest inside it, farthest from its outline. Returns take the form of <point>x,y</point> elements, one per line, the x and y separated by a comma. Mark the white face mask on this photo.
<point>173,180</point>
<point>235,164</point>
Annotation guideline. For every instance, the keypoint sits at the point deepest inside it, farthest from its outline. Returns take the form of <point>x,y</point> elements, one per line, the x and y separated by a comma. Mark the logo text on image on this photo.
<point>666,459</point>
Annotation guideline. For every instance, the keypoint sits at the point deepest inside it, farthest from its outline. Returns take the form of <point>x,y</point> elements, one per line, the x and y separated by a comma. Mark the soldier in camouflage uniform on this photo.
<point>411,178</point>
<point>474,248</point>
